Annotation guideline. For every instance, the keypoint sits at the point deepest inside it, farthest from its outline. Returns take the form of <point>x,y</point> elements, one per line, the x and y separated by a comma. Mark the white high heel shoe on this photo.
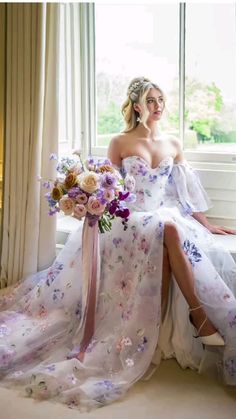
<point>215,339</point>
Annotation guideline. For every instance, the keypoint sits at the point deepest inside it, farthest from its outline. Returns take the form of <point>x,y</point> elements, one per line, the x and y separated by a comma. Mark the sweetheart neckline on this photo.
<point>145,161</point>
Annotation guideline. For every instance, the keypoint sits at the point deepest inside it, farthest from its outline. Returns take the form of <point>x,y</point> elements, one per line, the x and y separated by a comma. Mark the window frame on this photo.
<point>89,116</point>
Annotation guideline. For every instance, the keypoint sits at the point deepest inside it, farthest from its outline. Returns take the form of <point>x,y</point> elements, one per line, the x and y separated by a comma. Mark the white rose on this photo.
<point>89,182</point>
<point>66,205</point>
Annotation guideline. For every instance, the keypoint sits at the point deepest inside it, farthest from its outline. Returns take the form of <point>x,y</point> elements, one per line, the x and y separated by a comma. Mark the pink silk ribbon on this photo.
<point>91,270</point>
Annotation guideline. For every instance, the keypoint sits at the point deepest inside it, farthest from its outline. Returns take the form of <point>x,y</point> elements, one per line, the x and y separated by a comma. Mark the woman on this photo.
<point>42,319</point>
<point>140,140</point>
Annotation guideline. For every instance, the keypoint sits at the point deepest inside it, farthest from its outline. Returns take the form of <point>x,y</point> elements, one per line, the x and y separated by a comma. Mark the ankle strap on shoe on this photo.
<point>200,328</point>
<point>195,308</point>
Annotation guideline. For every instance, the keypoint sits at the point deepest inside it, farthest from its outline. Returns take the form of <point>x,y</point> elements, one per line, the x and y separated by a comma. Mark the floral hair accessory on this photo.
<point>134,86</point>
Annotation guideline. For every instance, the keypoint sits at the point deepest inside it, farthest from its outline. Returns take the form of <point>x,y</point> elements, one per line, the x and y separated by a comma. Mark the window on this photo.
<point>194,67</point>
<point>69,79</point>
<point>140,40</point>
<point>210,68</point>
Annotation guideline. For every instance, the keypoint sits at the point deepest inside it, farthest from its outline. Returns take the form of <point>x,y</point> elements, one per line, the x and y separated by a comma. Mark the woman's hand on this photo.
<point>215,229</point>
<point>220,229</point>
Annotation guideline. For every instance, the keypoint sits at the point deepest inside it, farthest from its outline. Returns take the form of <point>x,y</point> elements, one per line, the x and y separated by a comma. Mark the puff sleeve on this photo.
<point>184,186</point>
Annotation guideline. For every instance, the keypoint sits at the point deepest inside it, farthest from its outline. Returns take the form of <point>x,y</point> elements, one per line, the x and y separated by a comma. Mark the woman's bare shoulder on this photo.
<point>119,137</point>
<point>175,142</point>
<point>114,149</point>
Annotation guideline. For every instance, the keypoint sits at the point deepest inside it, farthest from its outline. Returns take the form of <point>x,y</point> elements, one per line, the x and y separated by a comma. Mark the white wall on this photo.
<point>220,185</point>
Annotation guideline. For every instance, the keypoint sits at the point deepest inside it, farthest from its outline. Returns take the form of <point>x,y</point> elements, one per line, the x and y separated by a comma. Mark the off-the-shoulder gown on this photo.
<point>41,318</point>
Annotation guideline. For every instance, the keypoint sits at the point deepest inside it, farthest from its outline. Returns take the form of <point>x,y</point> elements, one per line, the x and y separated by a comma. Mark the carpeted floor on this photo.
<point>171,393</point>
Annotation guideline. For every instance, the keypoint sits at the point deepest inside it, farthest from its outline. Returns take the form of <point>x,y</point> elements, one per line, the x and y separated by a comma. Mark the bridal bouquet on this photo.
<point>92,189</point>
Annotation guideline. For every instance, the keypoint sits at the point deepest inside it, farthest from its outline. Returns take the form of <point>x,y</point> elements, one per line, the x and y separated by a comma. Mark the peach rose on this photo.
<point>79,211</point>
<point>106,168</point>
<point>89,182</point>
<point>66,204</point>
<point>81,198</point>
<point>95,207</point>
<point>109,195</point>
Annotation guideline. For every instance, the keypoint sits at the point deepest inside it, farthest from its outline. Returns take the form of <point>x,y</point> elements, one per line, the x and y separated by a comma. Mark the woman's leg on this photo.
<point>182,271</point>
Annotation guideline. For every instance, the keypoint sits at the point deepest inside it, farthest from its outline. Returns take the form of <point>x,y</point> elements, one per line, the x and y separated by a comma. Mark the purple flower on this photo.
<point>112,207</point>
<point>53,210</point>
<point>73,192</point>
<point>51,201</point>
<point>100,195</point>
<point>123,196</point>
<point>102,162</point>
<point>90,160</point>
<point>53,156</point>
<point>108,180</point>
<point>46,184</point>
<point>123,213</point>
<point>131,198</point>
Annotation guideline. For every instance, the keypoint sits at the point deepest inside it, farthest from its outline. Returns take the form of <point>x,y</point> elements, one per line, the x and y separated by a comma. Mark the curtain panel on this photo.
<point>32,44</point>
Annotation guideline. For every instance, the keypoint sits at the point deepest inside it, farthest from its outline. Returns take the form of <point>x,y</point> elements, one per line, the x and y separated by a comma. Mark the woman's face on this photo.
<point>154,103</point>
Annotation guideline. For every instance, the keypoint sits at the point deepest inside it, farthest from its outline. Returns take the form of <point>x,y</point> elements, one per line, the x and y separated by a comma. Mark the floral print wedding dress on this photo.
<point>41,319</point>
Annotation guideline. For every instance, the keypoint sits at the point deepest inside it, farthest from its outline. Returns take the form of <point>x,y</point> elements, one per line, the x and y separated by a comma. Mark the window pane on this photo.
<point>135,40</point>
<point>210,107</point>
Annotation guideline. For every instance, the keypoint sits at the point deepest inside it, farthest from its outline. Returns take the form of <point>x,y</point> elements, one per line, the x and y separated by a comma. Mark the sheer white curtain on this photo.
<point>32,43</point>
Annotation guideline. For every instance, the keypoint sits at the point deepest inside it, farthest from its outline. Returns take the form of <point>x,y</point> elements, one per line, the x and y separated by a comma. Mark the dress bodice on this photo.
<point>150,183</point>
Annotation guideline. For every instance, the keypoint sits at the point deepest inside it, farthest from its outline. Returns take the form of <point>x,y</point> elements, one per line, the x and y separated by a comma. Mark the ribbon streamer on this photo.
<point>91,274</point>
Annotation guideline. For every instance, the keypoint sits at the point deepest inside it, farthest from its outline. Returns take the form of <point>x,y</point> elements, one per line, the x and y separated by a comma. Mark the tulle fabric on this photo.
<point>42,318</point>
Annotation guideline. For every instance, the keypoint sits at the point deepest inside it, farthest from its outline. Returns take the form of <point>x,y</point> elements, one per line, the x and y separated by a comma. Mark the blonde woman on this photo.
<point>167,240</point>
<point>142,143</point>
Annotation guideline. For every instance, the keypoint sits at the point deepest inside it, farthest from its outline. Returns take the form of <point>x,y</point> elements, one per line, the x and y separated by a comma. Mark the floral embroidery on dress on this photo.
<point>53,272</point>
<point>230,365</point>
<point>57,295</point>
<point>153,178</point>
<point>232,319</point>
<point>4,330</point>
<point>142,345</point>
<point>143,244</point>
<point>45,320</point>
<point>146,219</point>
<point>192,252</point>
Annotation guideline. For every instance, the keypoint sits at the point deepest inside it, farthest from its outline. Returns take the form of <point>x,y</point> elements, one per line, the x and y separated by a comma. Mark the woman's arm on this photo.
<point>199,216</point>
<point>113,152</point>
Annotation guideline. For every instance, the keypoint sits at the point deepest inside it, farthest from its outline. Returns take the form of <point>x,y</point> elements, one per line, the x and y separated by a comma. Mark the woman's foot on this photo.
<point>205,329</point>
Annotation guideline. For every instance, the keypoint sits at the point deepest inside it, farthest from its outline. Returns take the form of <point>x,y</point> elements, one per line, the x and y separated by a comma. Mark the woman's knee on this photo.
<point>171,234</point>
